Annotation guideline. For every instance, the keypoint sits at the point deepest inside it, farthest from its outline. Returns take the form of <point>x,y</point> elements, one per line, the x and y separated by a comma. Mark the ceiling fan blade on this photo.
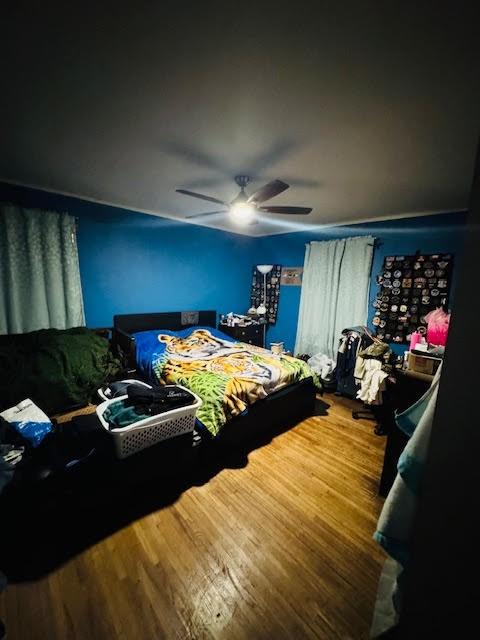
<point>289,210</point>
<point>268,191</point>
<point>208,213</point>
<point>201,196</point>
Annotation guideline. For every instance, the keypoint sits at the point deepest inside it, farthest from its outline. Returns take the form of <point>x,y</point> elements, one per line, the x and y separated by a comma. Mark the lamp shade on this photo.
<point>264,268</point>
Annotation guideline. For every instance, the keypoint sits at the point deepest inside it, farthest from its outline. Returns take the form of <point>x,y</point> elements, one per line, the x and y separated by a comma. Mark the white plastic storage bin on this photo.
<point>147,432</point>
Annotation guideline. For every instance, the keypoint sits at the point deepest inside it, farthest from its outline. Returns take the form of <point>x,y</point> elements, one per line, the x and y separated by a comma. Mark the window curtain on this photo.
<point>335,289</point>
<point>39,272</point>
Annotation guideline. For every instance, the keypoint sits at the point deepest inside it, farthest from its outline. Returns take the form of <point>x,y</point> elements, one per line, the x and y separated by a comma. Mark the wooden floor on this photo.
<point>281,548</point>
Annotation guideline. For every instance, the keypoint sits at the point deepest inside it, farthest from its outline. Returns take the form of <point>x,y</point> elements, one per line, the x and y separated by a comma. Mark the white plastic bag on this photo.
<point>322,365</point>
<point>29,420</point>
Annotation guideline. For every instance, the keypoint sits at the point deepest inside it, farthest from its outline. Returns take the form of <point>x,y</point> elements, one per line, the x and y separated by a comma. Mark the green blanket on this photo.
<point>57,369</point>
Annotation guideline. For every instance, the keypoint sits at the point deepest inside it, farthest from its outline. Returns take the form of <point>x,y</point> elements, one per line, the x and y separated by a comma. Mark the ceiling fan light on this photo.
<point>242,213</point>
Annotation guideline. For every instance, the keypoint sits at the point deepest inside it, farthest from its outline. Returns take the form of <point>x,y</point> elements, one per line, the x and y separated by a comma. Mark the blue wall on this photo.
<point>429,234</point>
<point>134,263</point>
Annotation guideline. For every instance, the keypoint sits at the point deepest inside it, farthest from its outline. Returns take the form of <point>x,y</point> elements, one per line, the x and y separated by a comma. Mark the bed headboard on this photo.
<point>172,320</point>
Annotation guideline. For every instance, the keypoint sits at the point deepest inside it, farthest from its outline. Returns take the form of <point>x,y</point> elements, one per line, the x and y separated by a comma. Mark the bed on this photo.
<point>244,388</point>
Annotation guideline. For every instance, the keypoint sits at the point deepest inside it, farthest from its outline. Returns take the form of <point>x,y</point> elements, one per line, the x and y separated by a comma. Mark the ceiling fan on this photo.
<point>243,207</point>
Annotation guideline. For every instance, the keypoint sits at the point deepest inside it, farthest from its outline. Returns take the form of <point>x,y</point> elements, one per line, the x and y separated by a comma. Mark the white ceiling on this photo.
<point>366,113</point>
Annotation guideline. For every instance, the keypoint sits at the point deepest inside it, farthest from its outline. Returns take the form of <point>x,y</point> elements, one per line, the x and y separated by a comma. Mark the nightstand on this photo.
<point>251,334</point>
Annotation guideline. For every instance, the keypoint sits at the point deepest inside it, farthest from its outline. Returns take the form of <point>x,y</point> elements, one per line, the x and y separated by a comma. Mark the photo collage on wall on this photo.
<point>273,291</point>
<point>410,287</point>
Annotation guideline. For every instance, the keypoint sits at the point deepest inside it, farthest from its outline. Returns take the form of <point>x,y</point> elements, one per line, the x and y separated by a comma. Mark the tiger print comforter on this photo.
<point>228,376</point>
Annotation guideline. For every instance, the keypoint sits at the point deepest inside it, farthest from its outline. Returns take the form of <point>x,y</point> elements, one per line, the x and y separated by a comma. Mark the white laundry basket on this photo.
<point>147,432</point>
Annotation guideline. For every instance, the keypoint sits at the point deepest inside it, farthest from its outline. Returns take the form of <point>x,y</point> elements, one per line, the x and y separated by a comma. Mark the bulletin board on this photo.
<point>410,287</point>
<point>273,291</point>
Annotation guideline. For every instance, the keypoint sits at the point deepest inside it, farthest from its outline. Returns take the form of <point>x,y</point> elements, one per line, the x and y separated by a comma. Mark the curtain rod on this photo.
<point>376,241</point>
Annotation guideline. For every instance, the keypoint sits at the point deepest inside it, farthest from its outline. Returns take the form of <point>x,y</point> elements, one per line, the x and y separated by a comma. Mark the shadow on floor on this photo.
<point>321,408</point>
<point>43,528</point>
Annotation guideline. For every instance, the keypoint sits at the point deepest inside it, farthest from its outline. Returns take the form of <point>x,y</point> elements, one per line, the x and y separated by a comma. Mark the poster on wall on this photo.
<point>291,276</point>
<point>410,287</point>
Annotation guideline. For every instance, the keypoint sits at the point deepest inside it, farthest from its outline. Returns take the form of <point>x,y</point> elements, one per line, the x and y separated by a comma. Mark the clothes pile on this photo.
<point>119,388</point>
<point>22,427</point>
<point>363,365</point>
<point>72,442</point>
<point>32,446</point>
<point>12,449</point>
<point>324,367</point>
<point>144,402</point>
<point>350,344</point>
<point>372,368</point>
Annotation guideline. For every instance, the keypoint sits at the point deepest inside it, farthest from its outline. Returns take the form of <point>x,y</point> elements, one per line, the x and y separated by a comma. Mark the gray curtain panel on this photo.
<point>335,289</point>
<point>40,284</point>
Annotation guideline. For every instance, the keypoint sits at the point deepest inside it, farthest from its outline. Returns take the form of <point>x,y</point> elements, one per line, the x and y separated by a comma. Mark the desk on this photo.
<point>410,386</point>
<point>426,377</point>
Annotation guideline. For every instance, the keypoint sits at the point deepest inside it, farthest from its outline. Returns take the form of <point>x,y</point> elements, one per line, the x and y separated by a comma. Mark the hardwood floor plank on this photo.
<point>281,548</point>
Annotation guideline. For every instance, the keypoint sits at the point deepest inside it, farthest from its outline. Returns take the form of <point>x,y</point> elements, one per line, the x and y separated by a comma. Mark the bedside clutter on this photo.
<point>251,333</point>
<point>249,329</point>
<point>237,319</point>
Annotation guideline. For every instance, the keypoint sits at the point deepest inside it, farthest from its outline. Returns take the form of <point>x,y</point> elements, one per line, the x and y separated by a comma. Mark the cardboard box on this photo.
<point>422,364</point>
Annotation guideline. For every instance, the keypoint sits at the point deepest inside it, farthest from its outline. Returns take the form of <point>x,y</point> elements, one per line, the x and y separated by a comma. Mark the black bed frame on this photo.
<point>127,324</point>
<point>278,411</point>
